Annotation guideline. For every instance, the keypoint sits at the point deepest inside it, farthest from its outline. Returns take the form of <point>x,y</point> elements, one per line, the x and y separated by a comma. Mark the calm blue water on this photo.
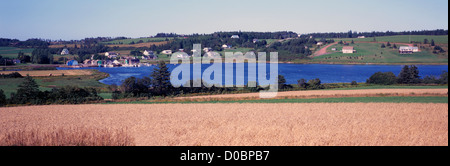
<point>292,72</point>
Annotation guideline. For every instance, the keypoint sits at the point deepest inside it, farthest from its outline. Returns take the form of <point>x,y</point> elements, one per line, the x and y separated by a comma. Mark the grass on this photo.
<point>392,99</point>
<point>146,40</point>
<point>373,53</point>
<point>67,137</point>
<point>391,87</point>
<point>401,39</point>
<point>11,52</point>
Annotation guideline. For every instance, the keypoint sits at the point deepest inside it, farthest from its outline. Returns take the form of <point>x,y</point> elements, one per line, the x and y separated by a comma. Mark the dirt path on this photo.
<point>346,124</point>
<point>323,50</point>
<point>328,93</point>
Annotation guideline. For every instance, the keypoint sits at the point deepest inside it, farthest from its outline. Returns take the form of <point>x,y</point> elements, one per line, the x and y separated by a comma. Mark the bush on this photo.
<point>302,83</point>
<point>354,83</point>
<point>381,78</point>
<point>12,75</point>
<point>315,84</point>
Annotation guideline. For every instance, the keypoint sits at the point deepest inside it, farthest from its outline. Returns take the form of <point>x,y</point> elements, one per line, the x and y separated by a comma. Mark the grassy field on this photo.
<point>391,87</point>
<point>47,83</point>
<point>11,52</point>
<point>373,53</point>
<point>401,39</point>
<point>145,40</point>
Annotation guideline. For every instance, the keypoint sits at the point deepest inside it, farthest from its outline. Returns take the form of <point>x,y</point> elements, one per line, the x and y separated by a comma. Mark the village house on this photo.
<point>148,53</point>
<point>16,61</point>
<point>348,50</point>
<point>255,40</point>
<point>65,51</point>
<point>319,43</point>
<point>226,46</point>
<point>408,50</point>
<point>207,49</point>
<point>235,37</point>
<point>166,52</point>
<point>361,37</point>
<point>112,54</point>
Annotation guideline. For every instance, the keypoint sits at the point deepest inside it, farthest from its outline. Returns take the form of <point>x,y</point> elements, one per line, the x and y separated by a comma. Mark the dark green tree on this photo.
<point>444,78</point>
<point>409,75</point>
<point>302,83</point>
<point>388,44</point>
<point>315,84</point>
<point>425,41</point>
<point>27,92</point>
<point>281,82</point>
<point>381,78</point>
<point>383,46</point>
<point>2,98</point>
<point>432,42</point>
<point>160,82</point>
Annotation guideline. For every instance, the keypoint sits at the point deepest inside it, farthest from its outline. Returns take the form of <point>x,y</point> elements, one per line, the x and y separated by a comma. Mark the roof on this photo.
<point>347,48</point>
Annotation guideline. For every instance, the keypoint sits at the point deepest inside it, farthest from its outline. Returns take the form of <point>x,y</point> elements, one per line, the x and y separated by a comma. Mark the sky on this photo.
<point>78,19</point>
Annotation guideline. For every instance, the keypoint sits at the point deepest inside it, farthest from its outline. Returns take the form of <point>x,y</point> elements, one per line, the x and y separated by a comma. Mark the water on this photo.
<point>292,72</point>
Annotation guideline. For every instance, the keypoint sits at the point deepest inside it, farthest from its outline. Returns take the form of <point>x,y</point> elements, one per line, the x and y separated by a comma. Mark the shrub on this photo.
<point>2,98</point>
<point>11,75</point>
<point>302,83</point>
<point>315,84</point>
<point>354,83</point>
<point>381,78</point>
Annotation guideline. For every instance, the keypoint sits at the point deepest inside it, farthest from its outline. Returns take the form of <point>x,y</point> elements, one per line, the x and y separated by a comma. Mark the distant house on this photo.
<point>333,49</point>
<point>408,50</point>
<point>207,49</point>
<point>112,54</point>
<point>65,51</point>
<point>348,50</point>
<point>132,61</point>
<point>148,53</point>
<point>319,43</point>
<point>72,63</point>
<point>16,61</point>
<point>149,57</point>
<point>255,40</point>
<point>361,37</point>
<point>166,52</point>
<point>182,55</point>
<point>226,46</point>
<point>235,37</point>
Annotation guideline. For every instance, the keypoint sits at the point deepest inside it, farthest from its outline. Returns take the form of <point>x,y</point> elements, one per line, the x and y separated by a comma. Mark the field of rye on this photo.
<point>324,124</point>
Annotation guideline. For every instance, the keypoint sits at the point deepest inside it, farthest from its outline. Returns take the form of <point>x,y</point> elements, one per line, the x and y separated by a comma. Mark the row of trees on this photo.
<point>354,34</point>
<point>29,93</point>
<point>408,75</point>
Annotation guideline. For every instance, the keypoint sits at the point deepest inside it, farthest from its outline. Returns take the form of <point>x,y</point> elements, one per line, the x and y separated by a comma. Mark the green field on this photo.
<point>400,39</point>
<point>432,99</point>
<point>392,87</point>
<point>11,52</point>
<point>47,83</point>
<point>373,53</point>
<point>145,40</point>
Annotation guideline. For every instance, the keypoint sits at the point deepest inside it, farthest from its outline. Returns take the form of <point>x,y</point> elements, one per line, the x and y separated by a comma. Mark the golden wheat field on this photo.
<point>324,124</point>
<point>44,73</point>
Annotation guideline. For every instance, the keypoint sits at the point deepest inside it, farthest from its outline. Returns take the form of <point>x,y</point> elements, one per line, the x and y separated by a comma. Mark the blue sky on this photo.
<point>77,19</point>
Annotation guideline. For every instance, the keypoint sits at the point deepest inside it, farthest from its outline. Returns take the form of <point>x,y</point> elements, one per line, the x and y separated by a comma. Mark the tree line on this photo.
<point>354,34</point>
<point>408,75</point>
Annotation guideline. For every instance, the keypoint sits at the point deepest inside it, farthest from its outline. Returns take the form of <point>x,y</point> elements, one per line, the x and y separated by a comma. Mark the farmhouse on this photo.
<point>207,49</point>
<point>361,37</point>
<point>226,46</point>
<point>408,50</point>
<point>148,53</point>
<point>65,51</point>
<point>255,40</point>
<point>16,61</point>
<point>319,43</point>
<point>112,54</point>
<point>348,50</point>
<point>235,37</point>
<point>166,52</point>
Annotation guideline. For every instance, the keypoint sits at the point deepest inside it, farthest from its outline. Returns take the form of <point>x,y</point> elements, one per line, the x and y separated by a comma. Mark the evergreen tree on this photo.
<point>161,80</point>
<point>409,75</point>
<point>353,42</point>
<point>281,82</point>
<point>425,41</point>
<point>395,46</point>
<point>28,91</point>
<point>302,83</point>
<point>388,44</point>
<point>2,98</point>
<point>432,42</point>
<point>383,46</point>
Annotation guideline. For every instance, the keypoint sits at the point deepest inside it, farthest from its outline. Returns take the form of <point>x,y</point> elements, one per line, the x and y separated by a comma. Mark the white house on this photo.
<point>235,37</point>
<point>207,49</point>
<point>361,37</point>
<point>408,50</point>
<point>166,52</point>
<point>65,51</point>
<point>111,54</point>
<point>319,43</point>
<point>148,53</point>
<point>348,50</point>
<point>255,40</point>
